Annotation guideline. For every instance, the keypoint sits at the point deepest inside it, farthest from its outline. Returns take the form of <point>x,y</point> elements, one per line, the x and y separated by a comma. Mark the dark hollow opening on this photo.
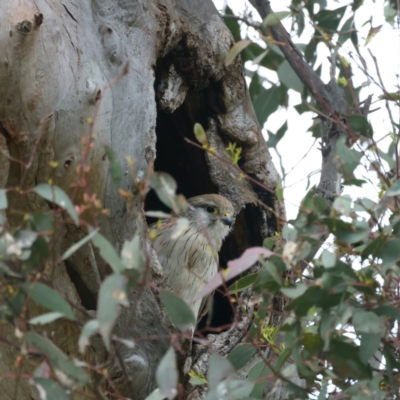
<point>188,165</point>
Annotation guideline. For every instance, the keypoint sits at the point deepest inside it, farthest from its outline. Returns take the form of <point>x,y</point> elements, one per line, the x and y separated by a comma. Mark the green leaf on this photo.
<point>165,187</point>
<point>219,369</point>
<point>42,221</point>
<point>5,269</point>
<point>57,359</point>
<point>242,284</point>
<point>233,389</point>
<point>48,298</point>
<point>46,318</point>
<point>348,159</point>
<point>369,345</point>
<point>155,395</point>
<point>3,199</point>
<point>266,104</point>
<point>269,242</point>
<point>132,255</point>
<point>345,33</point>
<point>350,233</point>
<point>388,312</point>
<point>329,20</point>
<point>294,292</point>
<point>360,125</point>
<point>368,322</point>
<point>328,259</point>
<point>235,268</point>
<point>201,137</point>
<point>258,372</point>
<point>342,204</point>
<point>59,197</point>
<point>167,375</point>
<point>76,246</point>
<point>312,342</point>
<point>88,330</point>
<point>346,361</point>
<point>49,389</point>
<point>283,357</point>
<point>115,169</point>
<point>289,78</point>
<point>356,4</point>
<point>179,312</point>
<point>394,190</point>
<point>273,139</point>
<point>255,87</point>
<point>390,252</point>
<point>112,294</point>
<point>107,252</point>
<point>232,24</point>
<point>241,355</point>
<point>276,17</point>
<point>235,50</point>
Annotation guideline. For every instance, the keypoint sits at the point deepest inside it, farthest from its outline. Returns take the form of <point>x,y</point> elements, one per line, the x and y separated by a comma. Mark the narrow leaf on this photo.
<point>241,355</point>
<point>3,199</point>
<point>88,330</point>
<point>369,345</point>
<point>132,256</point>
<point>112,294</point>
<point>179,312</point>
<point>155,395</point>
<point>165,187</point>
<point>242,284</point>
<point>235,268</point>
<point>57,359</point>
<point>289,78</point>
<point>76,246</point>
<point>115,168</point>
<point>49,389</point>
<point>258,372</point>
<point>167,375</point>
<point>58,196</point>
<point>49,298</point>
<point>107,252</point>
<point>274,18</point>
<point>220,368</point>
<point>46,318</point>
<point>200,134</point>
<point>235,50</point>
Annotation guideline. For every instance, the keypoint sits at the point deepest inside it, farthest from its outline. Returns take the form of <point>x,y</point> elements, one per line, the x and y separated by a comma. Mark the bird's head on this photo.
<point>214,213</point>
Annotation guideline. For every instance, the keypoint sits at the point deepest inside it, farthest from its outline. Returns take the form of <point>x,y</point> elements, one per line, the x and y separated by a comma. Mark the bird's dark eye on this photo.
<point>210,209</point>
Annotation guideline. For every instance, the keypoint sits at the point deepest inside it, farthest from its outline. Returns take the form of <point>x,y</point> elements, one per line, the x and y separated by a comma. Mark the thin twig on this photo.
<point>253,24</point>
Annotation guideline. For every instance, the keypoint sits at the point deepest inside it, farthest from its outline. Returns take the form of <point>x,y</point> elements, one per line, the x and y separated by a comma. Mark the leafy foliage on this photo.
<point>341,314</point>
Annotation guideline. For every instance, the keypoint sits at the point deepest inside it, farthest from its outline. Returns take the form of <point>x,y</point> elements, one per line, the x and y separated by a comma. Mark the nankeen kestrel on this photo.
<point>190,259</point>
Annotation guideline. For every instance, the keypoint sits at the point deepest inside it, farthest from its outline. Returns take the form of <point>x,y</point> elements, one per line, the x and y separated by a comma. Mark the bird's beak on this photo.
<point>227,221</point>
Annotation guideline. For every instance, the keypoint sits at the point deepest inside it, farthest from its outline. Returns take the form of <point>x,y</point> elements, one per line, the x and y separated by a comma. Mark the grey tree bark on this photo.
<point>58,67</point>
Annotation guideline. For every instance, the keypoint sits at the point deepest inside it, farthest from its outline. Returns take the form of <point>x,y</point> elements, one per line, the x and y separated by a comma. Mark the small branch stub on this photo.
<point>24,27</point>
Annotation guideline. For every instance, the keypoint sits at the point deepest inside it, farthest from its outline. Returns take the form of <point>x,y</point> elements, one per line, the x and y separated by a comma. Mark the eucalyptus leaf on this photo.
<point>179,312</point>
<point>57,359</point>
<point>107,252</point>
<point>3,199</point>
<point>56,195</point>
<point>241,355</point>
<point>76,246</point>
<point>48,298</point>
<point>167,375</point>
<point>112,294</point>
<point>49,389</point>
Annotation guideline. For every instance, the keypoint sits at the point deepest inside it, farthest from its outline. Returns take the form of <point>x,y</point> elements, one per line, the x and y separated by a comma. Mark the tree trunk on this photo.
<point>138,75</point>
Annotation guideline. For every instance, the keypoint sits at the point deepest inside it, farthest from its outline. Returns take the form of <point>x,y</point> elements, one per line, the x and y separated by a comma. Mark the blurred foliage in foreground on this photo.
<point>340,334</point>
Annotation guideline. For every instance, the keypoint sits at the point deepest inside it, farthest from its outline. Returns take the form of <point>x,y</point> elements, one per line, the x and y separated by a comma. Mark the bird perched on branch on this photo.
<point>189,256</point>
